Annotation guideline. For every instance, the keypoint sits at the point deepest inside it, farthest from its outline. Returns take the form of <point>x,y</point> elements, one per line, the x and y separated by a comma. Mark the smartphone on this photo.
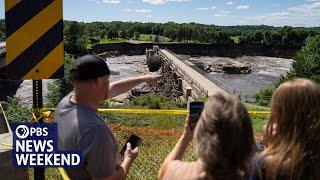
<point>133,140</point>
<point>195,110</point>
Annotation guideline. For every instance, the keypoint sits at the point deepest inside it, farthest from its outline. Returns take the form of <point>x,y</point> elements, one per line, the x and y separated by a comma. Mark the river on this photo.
<point>266,71</point>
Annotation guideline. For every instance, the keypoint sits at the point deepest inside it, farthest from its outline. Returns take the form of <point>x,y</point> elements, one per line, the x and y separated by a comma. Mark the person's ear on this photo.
<point>99,82</point>
<point>96,83</point>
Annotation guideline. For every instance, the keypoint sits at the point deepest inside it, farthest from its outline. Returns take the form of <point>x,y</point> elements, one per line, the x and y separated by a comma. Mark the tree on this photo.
<point>58,89</point>
<point>2,36</point>
<point>75,42</point>
<point>112,33</point>
<point>181,33</point>
<point>307,62</point>
<point>170,32</point>
<point>136,35</point>
<point>123,34</point>
<point>130,33</point>
<point>157,38</point>
<point>103,34</point>
<point>258,37</point>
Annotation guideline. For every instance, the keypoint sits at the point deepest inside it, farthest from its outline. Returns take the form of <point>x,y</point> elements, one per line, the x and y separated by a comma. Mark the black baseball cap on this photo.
<point>90,67</point>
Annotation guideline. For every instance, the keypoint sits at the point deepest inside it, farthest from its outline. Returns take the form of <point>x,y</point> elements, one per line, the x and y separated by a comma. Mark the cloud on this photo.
<point>111,1</point>
<point>178,0</point>
<point>154,1</point>
<point>243,7</point>
<point>230,3</point>
<point>213,7</point>
<point>149,16</point>
<point>128,10</point>
<point>157,2</point>
<point>96,1</point>
<point>222,13</point>
<point>202,9</point>
<point>143,10</point>
<point>305,14</point>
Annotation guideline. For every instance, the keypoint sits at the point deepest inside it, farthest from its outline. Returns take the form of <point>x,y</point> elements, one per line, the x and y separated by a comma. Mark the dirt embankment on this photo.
<point>232,50</point>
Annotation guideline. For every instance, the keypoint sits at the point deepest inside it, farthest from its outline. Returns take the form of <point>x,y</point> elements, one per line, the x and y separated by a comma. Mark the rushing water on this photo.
<point>127,66</point>
<point>266,71</point>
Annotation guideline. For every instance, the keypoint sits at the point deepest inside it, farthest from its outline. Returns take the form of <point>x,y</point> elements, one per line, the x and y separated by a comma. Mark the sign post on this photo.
<point>39,173</point>
<point>34,47</point>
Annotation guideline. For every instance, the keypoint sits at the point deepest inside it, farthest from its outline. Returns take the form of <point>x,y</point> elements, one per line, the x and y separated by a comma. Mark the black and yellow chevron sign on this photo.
<point>34,43</point>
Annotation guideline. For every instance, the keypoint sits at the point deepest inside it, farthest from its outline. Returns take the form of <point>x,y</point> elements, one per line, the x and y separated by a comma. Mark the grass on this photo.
<point>168,122</point>
<point>159,133</point>
<point>236,39</point>
<point>105,41</point>
<point>156,143</point>
<point>109,41</point>
<point>146,37</point>
<point>153,150</point>
<point>154,146</point>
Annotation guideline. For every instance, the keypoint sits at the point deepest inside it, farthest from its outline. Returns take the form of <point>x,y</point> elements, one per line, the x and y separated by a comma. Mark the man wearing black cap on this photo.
<point>81,127</point>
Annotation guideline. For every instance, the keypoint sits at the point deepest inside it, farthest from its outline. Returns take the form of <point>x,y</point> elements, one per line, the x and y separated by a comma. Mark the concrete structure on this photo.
<point>194,84</point>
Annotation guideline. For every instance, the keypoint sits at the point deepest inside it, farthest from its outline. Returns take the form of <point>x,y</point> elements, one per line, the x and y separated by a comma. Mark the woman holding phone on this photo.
<point>224,143</point>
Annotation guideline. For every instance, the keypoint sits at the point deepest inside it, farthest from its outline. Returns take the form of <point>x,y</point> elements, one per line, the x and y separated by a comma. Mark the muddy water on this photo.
<point>127,66</point>
<point>266,71</point>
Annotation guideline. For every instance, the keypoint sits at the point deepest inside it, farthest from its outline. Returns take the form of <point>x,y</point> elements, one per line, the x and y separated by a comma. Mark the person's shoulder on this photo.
<point>64,102</point>
<point>181,163</point>
<point>184,168</point>
<point>97,131</point>
<point>189,170</point>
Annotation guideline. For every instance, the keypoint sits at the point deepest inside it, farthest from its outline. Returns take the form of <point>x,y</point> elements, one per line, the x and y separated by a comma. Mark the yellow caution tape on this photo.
<point>63,174</point>
<point>145,111</point>
<point>5,144</point>
<point>156,111</point>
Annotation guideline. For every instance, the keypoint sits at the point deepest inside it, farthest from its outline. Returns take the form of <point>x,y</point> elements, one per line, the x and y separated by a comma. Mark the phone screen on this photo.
<point>195,110</point>
<point>133,140</point>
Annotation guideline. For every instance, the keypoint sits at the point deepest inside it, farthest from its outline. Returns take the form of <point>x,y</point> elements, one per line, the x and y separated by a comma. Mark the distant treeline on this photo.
<point>186,32</point>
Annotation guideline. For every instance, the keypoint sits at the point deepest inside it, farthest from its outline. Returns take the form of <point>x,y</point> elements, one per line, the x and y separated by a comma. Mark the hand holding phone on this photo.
<point>133,140</point>
<point>195,110</point>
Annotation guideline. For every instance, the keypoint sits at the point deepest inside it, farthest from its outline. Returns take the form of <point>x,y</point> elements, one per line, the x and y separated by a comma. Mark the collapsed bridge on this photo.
<point>180,76</point>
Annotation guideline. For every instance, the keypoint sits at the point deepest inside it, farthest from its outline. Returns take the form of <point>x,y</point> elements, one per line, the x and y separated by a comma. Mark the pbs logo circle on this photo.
<point>22,131</point>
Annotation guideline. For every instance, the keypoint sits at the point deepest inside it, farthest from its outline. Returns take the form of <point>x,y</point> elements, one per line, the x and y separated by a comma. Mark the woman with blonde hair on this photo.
<point>223,139</point>
<point>293,134</point>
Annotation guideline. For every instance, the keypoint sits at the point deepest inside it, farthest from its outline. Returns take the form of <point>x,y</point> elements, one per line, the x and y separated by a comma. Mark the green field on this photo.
<point>143,37</point>
<point>106,41</point>
<point>146,37</point>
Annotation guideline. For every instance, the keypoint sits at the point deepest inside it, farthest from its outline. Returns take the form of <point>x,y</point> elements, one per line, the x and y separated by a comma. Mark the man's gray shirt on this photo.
<point>82,128</point>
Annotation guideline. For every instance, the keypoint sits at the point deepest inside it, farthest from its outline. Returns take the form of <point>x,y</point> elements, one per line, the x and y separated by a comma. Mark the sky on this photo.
<point>304,13</point>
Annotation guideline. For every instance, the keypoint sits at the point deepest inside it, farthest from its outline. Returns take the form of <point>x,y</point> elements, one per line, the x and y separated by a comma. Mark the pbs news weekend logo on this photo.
<point>36,145</point>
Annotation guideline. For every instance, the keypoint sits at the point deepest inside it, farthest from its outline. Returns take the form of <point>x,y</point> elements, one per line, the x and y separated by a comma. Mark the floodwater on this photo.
<point>127,66</point>
<point>266,71</point>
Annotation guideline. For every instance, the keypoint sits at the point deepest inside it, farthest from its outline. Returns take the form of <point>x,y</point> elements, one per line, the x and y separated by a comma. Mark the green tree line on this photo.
<point>78,34</point>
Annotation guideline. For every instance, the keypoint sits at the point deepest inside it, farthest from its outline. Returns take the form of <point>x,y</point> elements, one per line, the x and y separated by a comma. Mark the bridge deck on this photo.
<point>195,76</point>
